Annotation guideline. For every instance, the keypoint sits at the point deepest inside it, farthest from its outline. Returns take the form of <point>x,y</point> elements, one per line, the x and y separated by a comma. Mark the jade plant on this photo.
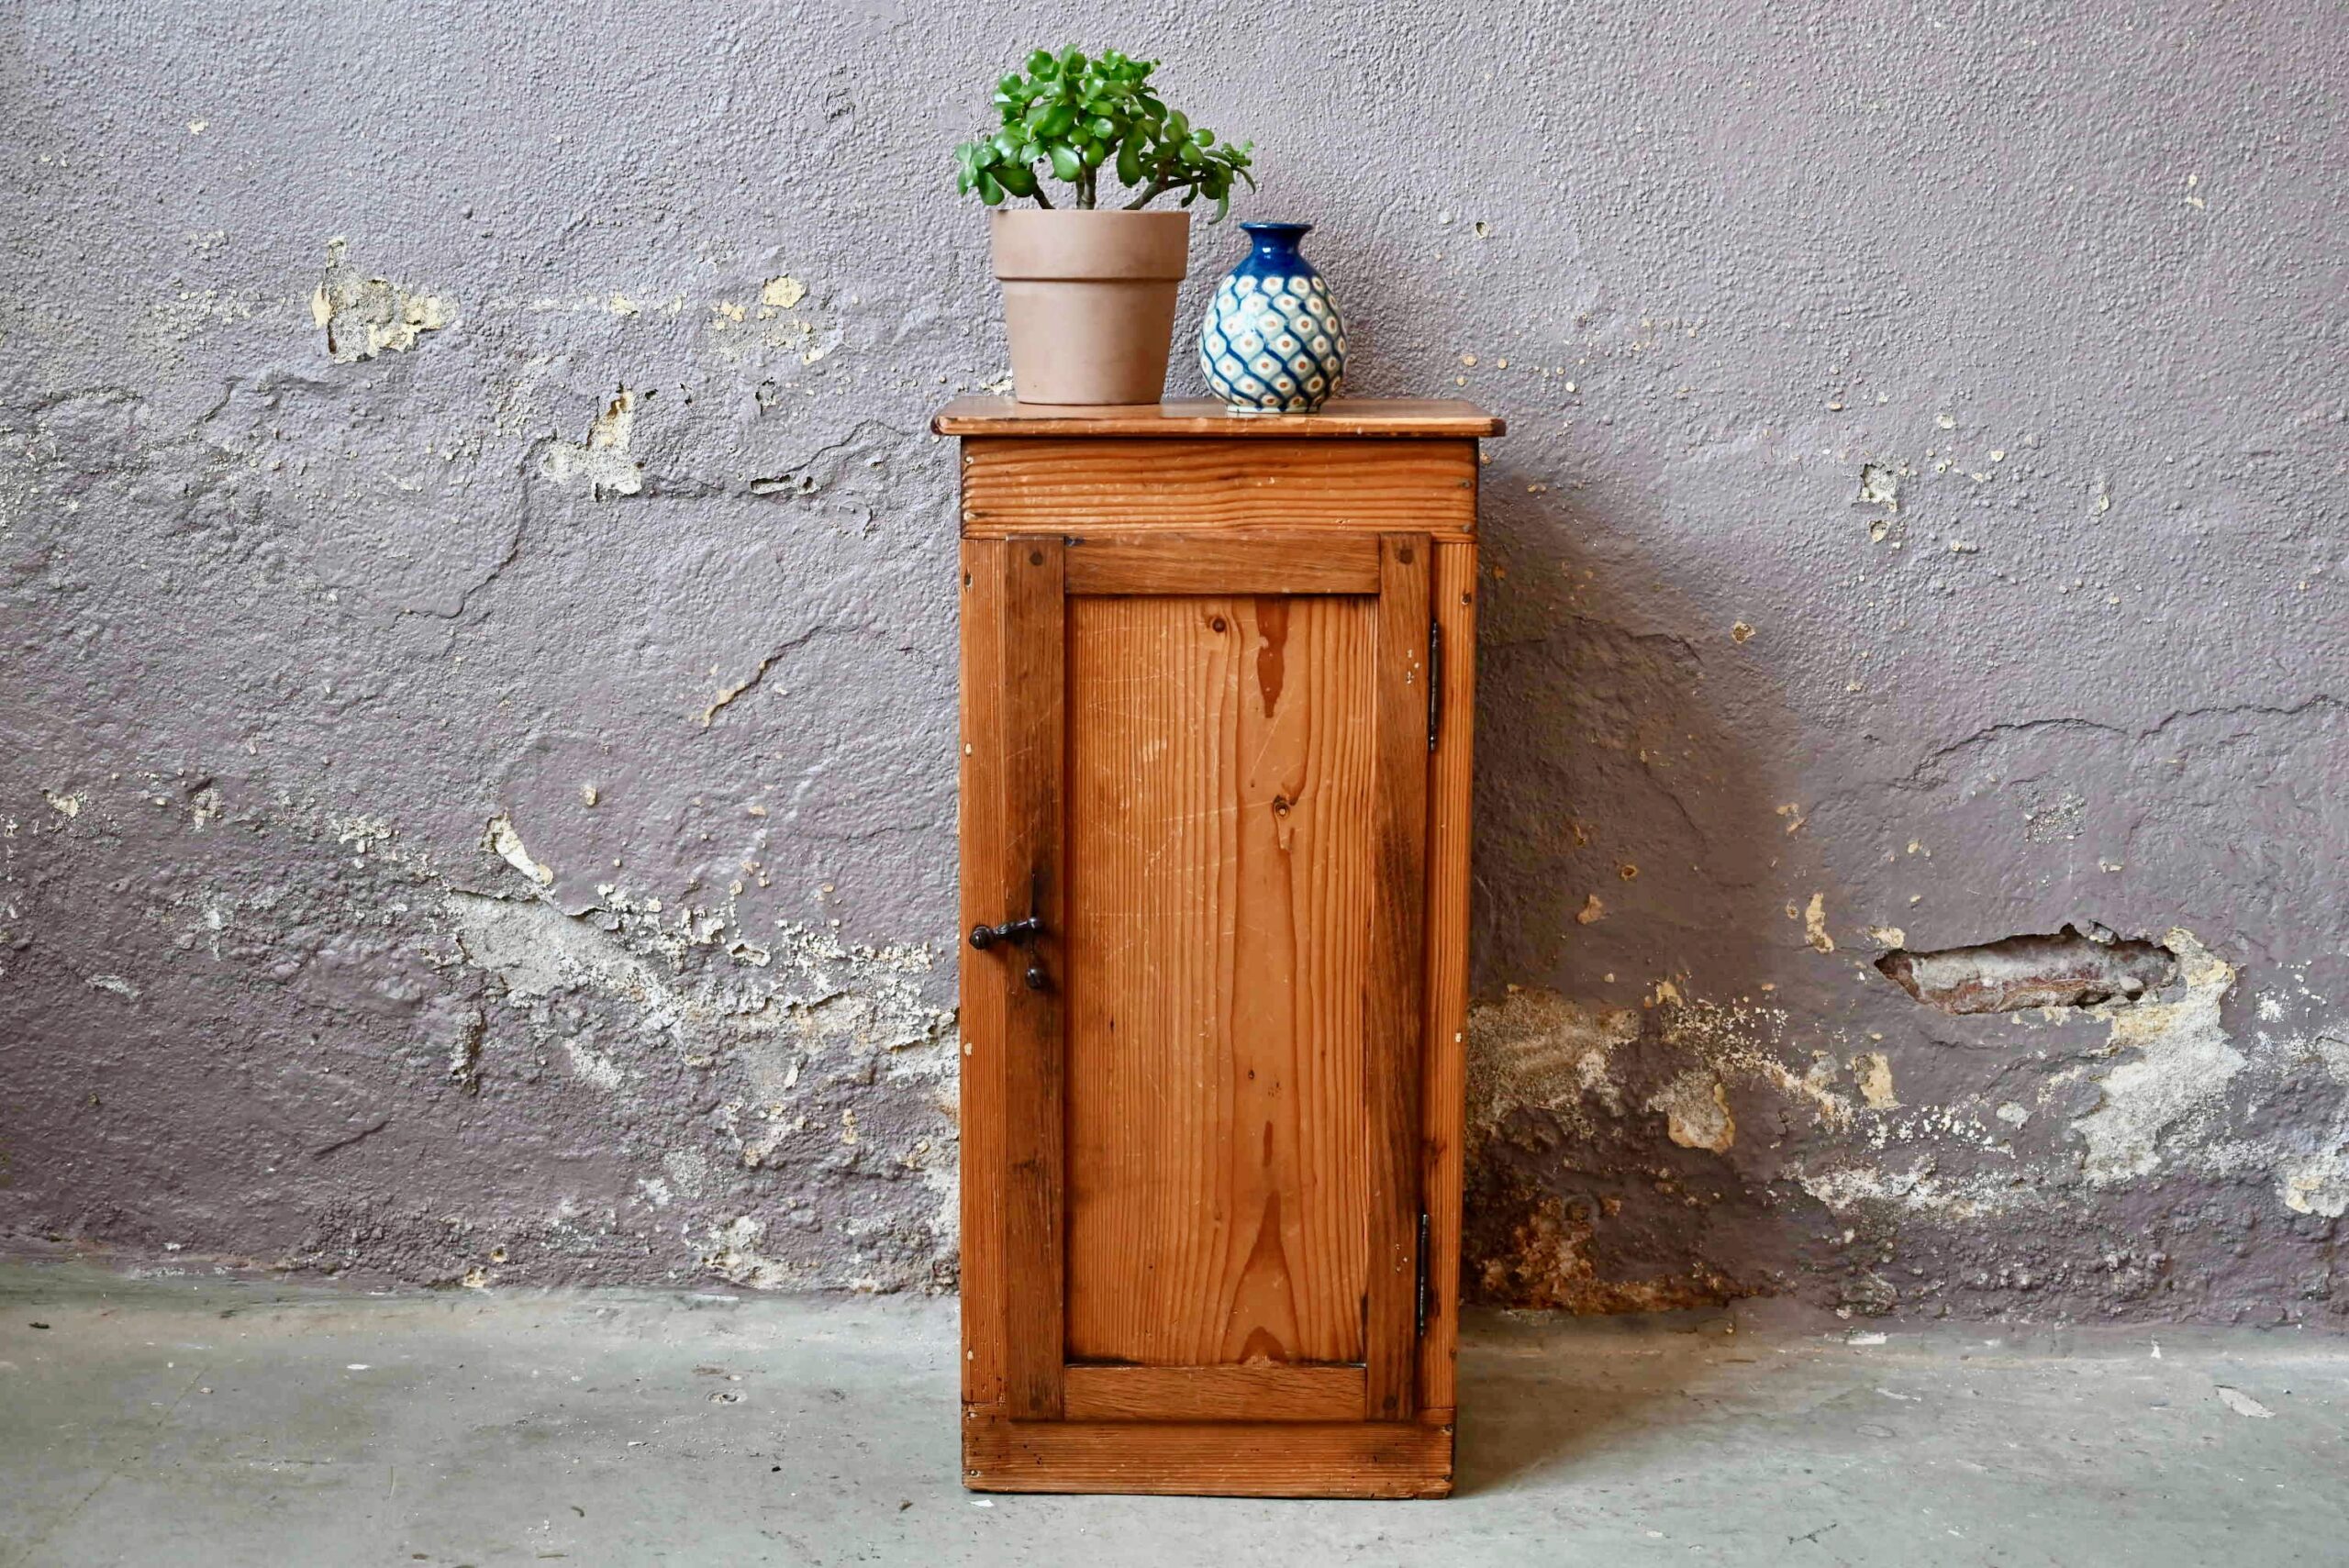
<point>1069,116</point>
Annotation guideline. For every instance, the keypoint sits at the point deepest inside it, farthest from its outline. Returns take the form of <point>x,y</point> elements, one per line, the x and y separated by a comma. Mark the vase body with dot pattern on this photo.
<point>1272,342</point>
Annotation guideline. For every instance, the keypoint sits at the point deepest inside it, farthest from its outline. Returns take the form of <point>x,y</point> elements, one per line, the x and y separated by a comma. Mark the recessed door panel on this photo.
<point>1222,776</point>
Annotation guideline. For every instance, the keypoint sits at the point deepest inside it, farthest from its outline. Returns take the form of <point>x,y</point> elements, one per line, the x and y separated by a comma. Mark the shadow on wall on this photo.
<point>1609,1107</point>
<point>1680,1091</point>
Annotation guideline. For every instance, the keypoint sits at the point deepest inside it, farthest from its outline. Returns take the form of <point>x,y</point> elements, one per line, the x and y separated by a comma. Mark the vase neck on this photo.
<point>1276,242</point>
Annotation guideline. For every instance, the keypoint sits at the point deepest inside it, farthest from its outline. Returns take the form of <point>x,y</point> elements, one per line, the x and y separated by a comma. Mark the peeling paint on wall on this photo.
<point>1814,924</point>
<point>1697,1112</point>
<point>1541,1049</point>
<point>364,317</point>
<point>509,847</point>
<point>733,1256</point>
<point>777,1030</point>
<point>2185,1060</point>
<point>601,462</point>
<point>2316,1184</point>
<point>1874,1073</point>
<point>1742,1042</point>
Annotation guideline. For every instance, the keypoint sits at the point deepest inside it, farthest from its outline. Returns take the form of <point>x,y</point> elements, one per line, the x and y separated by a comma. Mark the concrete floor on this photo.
<point>199,1420</point>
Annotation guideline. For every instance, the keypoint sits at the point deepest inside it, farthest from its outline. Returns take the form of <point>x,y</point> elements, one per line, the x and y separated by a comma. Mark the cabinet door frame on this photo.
<point>1014,1066</point>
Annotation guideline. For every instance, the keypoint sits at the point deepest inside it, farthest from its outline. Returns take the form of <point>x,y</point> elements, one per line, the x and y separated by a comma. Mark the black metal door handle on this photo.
<point>1019,931</point>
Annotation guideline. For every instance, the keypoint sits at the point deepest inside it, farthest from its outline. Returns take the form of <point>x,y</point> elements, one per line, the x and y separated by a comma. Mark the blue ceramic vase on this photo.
<point>1272,342</point>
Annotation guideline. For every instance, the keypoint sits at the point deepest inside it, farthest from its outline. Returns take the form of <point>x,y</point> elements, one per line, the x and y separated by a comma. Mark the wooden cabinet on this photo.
<point>1217,691</point>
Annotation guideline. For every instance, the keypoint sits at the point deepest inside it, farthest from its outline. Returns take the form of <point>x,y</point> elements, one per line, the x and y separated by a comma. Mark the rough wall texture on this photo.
<point>475,747</point>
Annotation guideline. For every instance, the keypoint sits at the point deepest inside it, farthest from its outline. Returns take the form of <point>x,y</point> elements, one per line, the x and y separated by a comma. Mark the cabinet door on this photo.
<point>1196,770</point>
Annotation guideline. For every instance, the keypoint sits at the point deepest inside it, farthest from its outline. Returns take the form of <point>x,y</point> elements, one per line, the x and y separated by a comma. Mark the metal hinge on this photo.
<point>1423,1313</point>
<point>1435,680</point>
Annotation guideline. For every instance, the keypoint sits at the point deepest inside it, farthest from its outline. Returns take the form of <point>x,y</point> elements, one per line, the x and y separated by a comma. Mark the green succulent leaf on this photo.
<point>1072,117</point>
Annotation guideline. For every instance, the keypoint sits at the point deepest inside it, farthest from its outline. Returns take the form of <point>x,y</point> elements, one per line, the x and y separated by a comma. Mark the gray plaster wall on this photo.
<point>476,760</point>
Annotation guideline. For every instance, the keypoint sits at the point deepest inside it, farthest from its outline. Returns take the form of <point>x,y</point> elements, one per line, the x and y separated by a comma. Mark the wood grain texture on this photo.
<point>981,1015</point>
<point>1444,1077</point>
<point>1222,802</point>
<point>1205,1459</point>
<point>1030,613</point>
<point>1394,1017</point>
<point>1257,563</point>
<point>1387,416</point>
<point>1082,487</point>
<point>1257,1392</point>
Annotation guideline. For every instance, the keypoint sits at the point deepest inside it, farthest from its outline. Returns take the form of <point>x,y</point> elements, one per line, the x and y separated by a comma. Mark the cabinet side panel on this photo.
<point>980,1015</point>
<point>1220,795</point>
<point>1394,1015</point>
<point>1453,595</point>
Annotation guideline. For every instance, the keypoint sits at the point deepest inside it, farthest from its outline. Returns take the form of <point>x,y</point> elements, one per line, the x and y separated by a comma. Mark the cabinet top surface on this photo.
<point>1206,417</point>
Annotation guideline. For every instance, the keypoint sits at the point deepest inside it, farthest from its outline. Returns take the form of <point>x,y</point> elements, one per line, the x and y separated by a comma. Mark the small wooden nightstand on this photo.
<point>1218,679</point>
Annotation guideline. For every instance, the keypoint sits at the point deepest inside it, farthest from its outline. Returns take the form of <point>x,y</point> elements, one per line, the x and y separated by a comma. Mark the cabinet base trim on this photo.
<point>1387,1459</point>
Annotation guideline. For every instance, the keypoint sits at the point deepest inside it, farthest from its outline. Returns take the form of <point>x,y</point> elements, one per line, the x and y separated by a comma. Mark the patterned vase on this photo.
<point>1272,342</point>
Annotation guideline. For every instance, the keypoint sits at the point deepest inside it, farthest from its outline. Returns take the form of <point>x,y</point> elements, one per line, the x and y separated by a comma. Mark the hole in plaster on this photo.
<point>2069,969</point>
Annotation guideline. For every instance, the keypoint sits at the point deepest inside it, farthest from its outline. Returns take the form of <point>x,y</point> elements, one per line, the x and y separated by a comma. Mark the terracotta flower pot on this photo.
<point>1088,298</point>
